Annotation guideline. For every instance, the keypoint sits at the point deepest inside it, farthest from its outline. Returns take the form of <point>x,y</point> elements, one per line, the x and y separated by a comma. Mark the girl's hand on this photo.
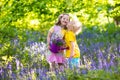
<point>71,56</point>
<point>61,51</point>
<point>48,46</point>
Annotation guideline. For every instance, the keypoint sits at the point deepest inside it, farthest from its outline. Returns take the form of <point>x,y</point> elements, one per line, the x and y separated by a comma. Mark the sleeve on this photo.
<point>51,29</point>
<point>71,36</point>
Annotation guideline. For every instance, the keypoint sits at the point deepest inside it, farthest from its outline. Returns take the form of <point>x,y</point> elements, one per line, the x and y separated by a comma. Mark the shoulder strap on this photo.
<point>51,29</point>
<point>64,35</point>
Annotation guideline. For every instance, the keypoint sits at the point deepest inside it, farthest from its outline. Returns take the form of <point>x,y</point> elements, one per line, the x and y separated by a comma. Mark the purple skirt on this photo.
<point>57,58</point>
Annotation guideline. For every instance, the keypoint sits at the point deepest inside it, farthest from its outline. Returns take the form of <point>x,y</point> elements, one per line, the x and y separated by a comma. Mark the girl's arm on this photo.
<point>72,49</point>
<point>49,35</point>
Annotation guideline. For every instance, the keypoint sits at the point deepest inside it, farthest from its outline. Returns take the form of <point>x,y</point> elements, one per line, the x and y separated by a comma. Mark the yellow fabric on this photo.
<point>63,32</point>
<point>70,36</point>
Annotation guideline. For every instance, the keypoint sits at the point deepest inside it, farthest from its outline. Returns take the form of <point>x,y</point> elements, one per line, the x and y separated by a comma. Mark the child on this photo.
<point>73,53</point>
<point>57,31</point>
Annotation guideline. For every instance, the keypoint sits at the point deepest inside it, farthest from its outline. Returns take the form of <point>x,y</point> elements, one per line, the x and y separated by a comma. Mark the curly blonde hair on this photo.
<point>75,27</point>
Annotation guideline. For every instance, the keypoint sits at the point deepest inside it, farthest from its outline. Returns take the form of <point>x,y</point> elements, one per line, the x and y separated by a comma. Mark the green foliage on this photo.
<point>16,16</point>
<point>115,13</point>
<point>92,75</point>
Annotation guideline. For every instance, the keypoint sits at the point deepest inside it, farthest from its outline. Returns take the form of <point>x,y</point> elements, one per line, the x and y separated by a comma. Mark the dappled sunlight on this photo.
<point>30,21</point>
<point>54,10</point>
<point>2,2</point>
<point>34,24</point>
<point>7,59</point>
<point>112,2</point>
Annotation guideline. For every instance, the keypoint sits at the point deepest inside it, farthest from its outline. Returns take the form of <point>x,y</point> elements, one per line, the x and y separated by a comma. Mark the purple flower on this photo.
<point>57,45</point>
<point>1,70</point>
<point>84,71</point>
<point>58,42</point>
<point>9,66</point>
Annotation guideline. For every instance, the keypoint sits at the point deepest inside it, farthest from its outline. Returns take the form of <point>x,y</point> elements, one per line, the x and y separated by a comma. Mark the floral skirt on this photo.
<point>56,57</point>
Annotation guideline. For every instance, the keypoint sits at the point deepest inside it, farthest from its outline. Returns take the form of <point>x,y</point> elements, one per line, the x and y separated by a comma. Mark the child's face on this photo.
<point>64,20</point>
<point>70,26</point>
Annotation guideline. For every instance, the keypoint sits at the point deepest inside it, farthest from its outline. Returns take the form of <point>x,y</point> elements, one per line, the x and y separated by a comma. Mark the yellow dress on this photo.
<point>70,36</point>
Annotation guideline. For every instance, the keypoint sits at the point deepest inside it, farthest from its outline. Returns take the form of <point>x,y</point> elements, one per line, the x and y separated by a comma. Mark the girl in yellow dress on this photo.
<point>73,53</point>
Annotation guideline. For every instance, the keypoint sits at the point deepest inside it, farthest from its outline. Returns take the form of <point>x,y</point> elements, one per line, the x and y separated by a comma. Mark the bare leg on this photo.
<point>61,66</point>
<point>52,66</point>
